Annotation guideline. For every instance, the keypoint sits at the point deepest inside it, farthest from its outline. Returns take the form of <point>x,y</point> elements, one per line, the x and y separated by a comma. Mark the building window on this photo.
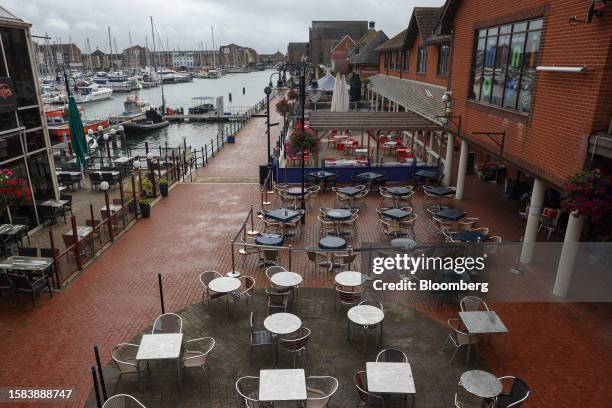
<point>386,56</point>
<point>504,64</point>
<point>422,60</point>
<point>443,60</point>
<point>406,60</point>
<point>19,68</point>
<point>398,60</point>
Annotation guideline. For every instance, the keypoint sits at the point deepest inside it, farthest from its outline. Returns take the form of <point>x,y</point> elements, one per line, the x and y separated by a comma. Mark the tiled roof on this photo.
<point>394,43</point>
<point>366,50</point>
<point>427,19</point>
<point>420,97</point>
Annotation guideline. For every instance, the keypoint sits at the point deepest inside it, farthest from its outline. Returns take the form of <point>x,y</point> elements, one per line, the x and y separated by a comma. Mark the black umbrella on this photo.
<point>355,93</point>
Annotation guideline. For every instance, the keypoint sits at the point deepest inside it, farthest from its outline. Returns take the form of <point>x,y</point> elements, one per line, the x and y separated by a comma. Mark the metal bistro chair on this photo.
<point>296,343</point>
<point>373,327</point>
<point>519,392</point>
<point>366,398</point>
<point>458,337</point>
<point>208,294</point>
<point>124,358</point>
<point>473,304</point>
<point>259,338</point>
<point>277,301</point>
<point>391,356</point>
<point>122,401</point>
<point>6,284</point>
<point>273,270</point>
<point>168,323</point>
<point>27,251</point>
<point>22,284</point>
<point>248,389</point>
<point>320,390</point>
<point>318,258</point>
<point>196,354</point>
<point>246,289</point>
<point>348,298</point>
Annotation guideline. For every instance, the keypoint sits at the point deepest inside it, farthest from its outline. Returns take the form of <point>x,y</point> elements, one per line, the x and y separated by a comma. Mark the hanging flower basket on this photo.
<point>284,107</point>
<point>292,94</point>
<point>304,141</point>
<point>589,193</point>
<point>13,190</point>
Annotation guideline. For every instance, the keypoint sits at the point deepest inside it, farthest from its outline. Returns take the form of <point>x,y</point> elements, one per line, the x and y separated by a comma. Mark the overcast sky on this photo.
<point>266,25</point>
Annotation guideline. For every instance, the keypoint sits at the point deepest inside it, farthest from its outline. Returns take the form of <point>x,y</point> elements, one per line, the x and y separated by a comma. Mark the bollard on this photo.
<point>161,292</point>
<point>95,384</point>
<point>252,230</point>
<point>233,273</point>
<point>290,251</point>
<point>100,373</point>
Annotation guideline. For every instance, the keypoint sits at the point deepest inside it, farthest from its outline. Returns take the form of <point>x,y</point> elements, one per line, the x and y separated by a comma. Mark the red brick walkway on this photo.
<point>563,351</point>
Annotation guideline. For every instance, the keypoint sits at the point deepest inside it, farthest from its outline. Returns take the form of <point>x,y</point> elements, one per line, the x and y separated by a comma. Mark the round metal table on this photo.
<point>269,239</point>
<point>364,316</point>
<point>224,284</point>
<point>404,243</point>
<point>481,384</point>
<point>339,214</point>
<point>279,324</point>
<point>398,191</point>
<point>286,279</point>
<point>294,191</point>
<point>349,278</point>
<point>331,242</point>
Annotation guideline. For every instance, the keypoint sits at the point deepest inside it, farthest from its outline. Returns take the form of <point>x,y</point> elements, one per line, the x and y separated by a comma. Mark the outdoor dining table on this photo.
<point>481,384</point>
<point>481,322</point>
<point>350,191</point>
<point>364,316</point>
<point>281,324</point>
<point>282,385</point>
<point>398,191</point>
<point>163,346</point>
<point>350,279</point>
<point>396,213</point>
<point>321,176</point>
<point>332,242</point>
<point>428,174</point>
<point>54,203</point>
<point>390,378</point>
<point>114,208</point>
<point>26,263</point>
<point>450,214</point>
<point>338,214</point>
<point>12,231</point>
<point>224,284</point>
<point>287,279</point>
<point>269,239</point>
<point>83,231</point>
<point>404,243</point>
<point>369,176</point>
<point>294,191</point>
<point>441,191</point>
<point>470,236</point>
<point>282,214</point>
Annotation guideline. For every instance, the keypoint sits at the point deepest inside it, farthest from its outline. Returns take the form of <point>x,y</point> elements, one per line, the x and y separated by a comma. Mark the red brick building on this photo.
<point>324,35</point>
<point>364,57</point>
<point>339,52</point>
<point>297,51</point>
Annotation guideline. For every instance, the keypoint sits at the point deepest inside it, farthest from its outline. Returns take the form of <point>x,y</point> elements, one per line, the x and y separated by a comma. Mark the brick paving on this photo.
<point>116,297</point>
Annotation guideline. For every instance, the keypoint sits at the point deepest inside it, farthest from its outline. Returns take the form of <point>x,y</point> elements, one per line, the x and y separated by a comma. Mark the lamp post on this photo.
<point>104,187</point>
<point>151,173</point>
<point>268,91</point>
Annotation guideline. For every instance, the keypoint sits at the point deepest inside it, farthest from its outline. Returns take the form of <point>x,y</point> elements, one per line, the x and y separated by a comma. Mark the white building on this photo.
<point>180,60</point>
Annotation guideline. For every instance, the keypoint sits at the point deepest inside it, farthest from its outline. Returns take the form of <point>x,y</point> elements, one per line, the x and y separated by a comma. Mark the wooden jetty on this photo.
<point>204,117</point>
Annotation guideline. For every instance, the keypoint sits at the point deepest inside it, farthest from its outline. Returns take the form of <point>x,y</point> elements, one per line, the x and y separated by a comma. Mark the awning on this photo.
<point>416,96</point>
<point>385,121</point>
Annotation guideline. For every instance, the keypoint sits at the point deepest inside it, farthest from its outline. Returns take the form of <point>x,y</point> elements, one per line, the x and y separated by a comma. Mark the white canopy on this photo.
<point>340,98</point>
<point>327,83</point>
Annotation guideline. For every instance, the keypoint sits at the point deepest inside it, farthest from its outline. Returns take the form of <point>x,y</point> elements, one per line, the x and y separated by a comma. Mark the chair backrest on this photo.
<point>124,356</point>
<point>67,197</point>
<point>168,323</point>
<point>204,346</point>
<point>312,253</point>
<point>122,401</point>
<point>277,298</point>
<point>320,389</point>
<point>21,282</point>
<point>5,281</point>
<point>458,334</point>
<point>272,270</point>
<point>248,388</point>
<point>248,282</point>
<point>298,342</point>
<point>349,297</point>
<point>495,239</point>
<point>27,251</point>
<point>270,254</point>
<point>518,393</point>
<point>361,384</point>
<point>372,302</point>
<point>21,221</point>
<point>207,276</point>
<point>391,356</point>
<point>48,252</point>
<point>251,325</point>
<point>472,304</point>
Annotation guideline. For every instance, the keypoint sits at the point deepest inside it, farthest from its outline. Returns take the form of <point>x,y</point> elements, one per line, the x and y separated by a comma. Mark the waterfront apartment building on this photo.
<point>276,58</point>
<point>528,91</point>
<point>58,55</point>
<point>297,51</point>
<point>233,55</point>
<point>24,141</point>
<point>323,36</point>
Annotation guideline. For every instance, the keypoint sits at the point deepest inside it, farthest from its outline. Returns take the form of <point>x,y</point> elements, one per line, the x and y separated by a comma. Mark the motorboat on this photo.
<point>89,92</point>
<point>169,76</point>
<point>59,128</point>
<point>133,108</point>
<point>152,120</point>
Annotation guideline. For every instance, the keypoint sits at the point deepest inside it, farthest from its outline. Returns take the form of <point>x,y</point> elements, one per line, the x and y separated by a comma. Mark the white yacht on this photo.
<point>120,82</point>
<point>89,92</point>
<point>169,76</point>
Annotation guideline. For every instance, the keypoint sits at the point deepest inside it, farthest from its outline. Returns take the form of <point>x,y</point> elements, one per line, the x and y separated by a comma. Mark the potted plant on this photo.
<point>13,190</point>
<point>163,187</point>
<point>145,206</point>
<point>304,140</point>
<point>147,187</point>
<point>292,94</point>
<point>589,194</point>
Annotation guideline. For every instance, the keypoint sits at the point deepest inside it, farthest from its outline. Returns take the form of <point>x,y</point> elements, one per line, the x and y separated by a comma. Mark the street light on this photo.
<point>268,91</point>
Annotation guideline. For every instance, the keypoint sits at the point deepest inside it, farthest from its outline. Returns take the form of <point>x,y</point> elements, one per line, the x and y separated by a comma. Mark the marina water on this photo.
<point>182,94</point>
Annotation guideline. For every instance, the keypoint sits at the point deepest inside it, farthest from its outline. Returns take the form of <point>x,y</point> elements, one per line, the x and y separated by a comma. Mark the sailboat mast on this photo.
<point>110,52</point>
<point>163,107</point>
<point>212,34</point>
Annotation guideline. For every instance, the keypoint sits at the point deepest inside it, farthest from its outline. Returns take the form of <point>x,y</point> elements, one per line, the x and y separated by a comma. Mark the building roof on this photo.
<point>423,22</point>
<point>343,40</point>
<point>420,97</point>
<point>8,17</point>
<point>385,121</point>
<point>365,52</point>
<point>444,24</point>
<point>394,43</point>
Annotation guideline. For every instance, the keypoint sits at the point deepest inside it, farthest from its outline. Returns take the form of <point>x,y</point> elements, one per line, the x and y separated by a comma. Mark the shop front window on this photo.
<point>25,209</point>
<point>15,47</point>
<point>10,146</point>
<point>40,176</point>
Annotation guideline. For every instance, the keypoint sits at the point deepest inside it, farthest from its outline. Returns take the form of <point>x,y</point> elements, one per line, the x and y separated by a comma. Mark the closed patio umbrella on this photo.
<point>355,88</point>
<point>77,132</point>
<point>336,94</point>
